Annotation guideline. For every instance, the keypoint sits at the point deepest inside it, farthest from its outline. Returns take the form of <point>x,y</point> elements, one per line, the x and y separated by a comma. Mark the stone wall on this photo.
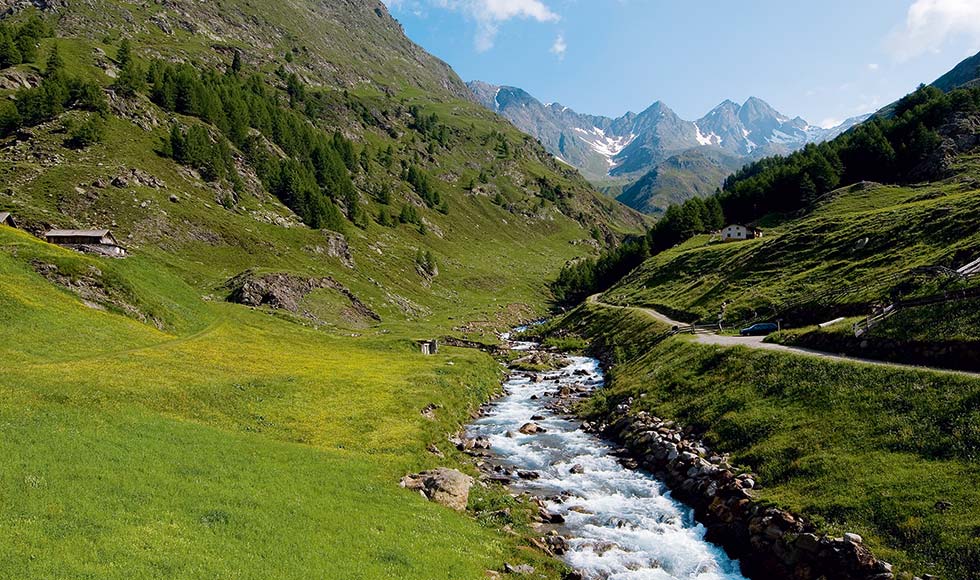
<point>958,355</point>
<point>769,542</point>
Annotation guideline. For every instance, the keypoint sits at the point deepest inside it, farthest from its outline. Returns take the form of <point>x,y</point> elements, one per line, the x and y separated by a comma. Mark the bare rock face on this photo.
<point>444,486</point>
<point>337,248</point>
<point>285,291</point>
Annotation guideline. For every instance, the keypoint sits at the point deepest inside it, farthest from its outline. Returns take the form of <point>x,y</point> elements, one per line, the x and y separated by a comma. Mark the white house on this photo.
<point>736,232</point>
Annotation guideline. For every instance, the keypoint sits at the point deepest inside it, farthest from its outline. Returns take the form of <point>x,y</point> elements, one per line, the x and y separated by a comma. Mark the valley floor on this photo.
<point>246,446</point>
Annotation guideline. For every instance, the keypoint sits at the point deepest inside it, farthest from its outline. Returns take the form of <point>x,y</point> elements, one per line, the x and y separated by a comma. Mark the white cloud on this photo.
<point>559,47</point>
<point>873,66</point>
<point>929,24</point>
<point>489,14</point>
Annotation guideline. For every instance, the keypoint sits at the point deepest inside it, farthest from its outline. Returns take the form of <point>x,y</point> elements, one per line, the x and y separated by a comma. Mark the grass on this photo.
<point>219,441</point>
<point>854,240</point>
<point>890,454</point>
<point>162,432</point>
<point>954,321</point>
<point>252,447</point>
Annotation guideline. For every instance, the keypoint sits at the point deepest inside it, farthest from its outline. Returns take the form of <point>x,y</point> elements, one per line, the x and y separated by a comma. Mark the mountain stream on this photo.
<point>619,523</point>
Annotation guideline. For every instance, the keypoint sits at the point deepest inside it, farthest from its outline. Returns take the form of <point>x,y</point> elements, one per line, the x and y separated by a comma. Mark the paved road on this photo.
<point>757,342</point>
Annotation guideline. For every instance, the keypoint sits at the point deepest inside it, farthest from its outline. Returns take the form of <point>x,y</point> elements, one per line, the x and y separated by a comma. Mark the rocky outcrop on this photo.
<point>769,542</point>
<point>959,135</point>
<point>285,291</point>
<point>96,291</point>
<point>448,487</point>
<point>137,178</point>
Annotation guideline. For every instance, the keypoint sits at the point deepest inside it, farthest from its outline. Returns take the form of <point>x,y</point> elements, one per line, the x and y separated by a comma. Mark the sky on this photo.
<point>824,60</point>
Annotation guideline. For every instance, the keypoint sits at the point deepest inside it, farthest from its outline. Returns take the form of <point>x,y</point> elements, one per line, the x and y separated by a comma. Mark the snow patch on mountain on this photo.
<point>782,138</point>
<point>709,139</point>
<point>605,145</point>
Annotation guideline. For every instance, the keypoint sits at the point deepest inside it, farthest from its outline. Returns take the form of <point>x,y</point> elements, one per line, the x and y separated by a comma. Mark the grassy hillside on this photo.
<point>890,454</point>
<point>697,173</point>
<point>837,259</point>
<point>151,428</point>
<point>247,446</point>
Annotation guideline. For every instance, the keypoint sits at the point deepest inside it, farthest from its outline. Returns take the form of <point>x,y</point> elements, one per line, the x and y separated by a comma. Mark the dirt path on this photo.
<point>757,342</point>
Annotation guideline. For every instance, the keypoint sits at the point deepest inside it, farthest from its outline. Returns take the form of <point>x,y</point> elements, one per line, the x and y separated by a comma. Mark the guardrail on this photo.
<point>697,329</point>
<point>862,327</point>
<point>970,270</point>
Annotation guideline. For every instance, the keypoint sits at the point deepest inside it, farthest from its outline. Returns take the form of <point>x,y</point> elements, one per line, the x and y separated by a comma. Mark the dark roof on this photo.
<point>76,233</point>
<point>99,234</point>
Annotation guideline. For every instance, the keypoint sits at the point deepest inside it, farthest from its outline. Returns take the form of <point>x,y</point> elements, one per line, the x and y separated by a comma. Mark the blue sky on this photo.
<point>825,60</point>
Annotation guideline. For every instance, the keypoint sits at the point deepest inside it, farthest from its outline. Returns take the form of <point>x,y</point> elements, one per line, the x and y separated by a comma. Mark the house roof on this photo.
<point>77,233</point>
<point>100,234</point>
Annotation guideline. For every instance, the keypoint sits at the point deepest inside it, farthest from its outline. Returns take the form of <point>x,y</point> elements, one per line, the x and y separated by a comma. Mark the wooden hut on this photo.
<point>93,241</point>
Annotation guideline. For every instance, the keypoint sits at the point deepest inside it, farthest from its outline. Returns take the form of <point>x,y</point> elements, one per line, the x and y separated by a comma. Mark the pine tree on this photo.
<point>808,190</point>
<point>716,217</point>
<point>295,90</point>
<point>90,132</point>
<point>55,64</point>
<point>132,78</point>
<point>9,53</point>
<point>124,55</point>
<point>236,63</point>
<point>28,36</point>
<point>10,119</point>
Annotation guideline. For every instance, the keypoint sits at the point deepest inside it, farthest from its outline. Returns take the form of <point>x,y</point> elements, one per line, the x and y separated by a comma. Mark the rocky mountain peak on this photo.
<point>628,148</point>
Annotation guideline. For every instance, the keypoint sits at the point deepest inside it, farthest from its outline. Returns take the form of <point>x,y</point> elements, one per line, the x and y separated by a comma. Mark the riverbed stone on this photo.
<point>532,429</point>
<point>525,569</point>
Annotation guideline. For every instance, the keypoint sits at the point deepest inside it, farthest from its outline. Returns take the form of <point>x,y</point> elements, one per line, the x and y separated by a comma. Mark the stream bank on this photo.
<point>602,516</point>
<point>538,448</point>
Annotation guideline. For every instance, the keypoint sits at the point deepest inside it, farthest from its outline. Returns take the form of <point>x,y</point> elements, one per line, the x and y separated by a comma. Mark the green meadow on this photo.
<point>241,445</point>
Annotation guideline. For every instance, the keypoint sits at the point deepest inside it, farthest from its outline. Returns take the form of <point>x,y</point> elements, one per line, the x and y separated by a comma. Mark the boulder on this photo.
<point>532,428</point>
<point>853,538</point>
<point>448,487</point>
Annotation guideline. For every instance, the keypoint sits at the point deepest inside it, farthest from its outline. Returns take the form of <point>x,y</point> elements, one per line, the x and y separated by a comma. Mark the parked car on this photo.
<point>760,329</point>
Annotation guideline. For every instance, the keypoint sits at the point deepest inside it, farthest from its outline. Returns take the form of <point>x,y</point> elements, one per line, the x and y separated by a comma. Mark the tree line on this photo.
<point>315,173</point>
<point>894,149</point>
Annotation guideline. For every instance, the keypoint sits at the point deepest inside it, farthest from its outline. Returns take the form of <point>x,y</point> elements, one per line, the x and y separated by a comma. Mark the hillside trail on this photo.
<point>758,342</point>
<point>208,330</point>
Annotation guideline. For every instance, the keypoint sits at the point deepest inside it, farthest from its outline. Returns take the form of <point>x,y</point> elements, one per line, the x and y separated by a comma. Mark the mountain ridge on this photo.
<point>626,149</point>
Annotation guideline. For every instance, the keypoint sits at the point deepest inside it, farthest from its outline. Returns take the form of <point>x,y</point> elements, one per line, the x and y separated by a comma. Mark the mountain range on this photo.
<point>653,158</point>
